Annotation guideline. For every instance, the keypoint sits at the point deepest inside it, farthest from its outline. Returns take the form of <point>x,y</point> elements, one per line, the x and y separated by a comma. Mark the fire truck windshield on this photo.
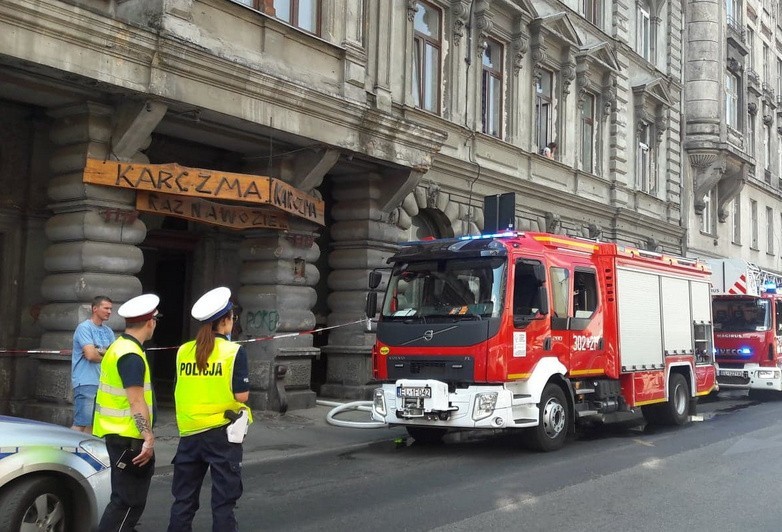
<point>741,315</point>
<point>452,288</point>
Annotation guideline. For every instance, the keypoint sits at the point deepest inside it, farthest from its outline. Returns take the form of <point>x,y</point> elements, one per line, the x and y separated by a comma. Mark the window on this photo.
<point>559,291</point>
<point>766,64</point>
<point>753,207</point>
<point>426,57</point>
<point>735,221</point>
<point>526,289</point>
<point>584,293</point>
<point>732,100</point>
<point>491,97</point>
<point>588,133</point>
<point>769,230</point>
<point>304,14</point>
<point>733,11</point>
<point>751,48</point>
<point>767,147</point>
<point>643,31</point>
<point>779,77</point>
<point>751,134</point>
<point>643,171</point>
<point>707,216</point>
<point>544,109</point>
<point>591,9</point>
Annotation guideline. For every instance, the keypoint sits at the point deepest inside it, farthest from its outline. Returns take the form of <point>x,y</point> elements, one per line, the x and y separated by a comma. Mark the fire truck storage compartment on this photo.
<point>656,315</point>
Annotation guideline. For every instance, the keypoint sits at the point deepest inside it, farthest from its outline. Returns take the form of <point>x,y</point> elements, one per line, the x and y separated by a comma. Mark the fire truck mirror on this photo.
<point>374,279</point>
<point>371,307</point>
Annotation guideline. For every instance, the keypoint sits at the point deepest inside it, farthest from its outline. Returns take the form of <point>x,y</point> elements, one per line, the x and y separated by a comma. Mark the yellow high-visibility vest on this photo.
<point>202,397</point>
<point>112,408</point>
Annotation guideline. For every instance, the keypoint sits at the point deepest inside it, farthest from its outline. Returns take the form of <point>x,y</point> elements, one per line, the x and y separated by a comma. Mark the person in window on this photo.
<point>549,150</point>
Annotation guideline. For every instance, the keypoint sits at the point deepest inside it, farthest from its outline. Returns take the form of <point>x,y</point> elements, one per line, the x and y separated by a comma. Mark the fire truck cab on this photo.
<point>536,331</point>
<point>747,326</point>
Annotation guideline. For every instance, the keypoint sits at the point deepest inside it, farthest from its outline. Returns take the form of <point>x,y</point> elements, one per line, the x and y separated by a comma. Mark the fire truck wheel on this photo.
<point>674,411</point>
<point>551,432</point>
<point>426,435</point>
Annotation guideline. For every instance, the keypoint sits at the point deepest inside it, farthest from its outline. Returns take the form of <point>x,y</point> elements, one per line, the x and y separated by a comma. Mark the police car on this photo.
<point>51,477</point>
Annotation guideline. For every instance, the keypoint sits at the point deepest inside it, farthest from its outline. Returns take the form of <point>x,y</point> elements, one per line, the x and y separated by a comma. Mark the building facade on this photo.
<point>399,115</point>
<point>733,130</point>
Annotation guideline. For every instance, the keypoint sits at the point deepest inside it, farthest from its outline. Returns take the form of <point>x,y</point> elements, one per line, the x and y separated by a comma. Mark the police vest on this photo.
<point>112,408</point>
<point>203,396</point>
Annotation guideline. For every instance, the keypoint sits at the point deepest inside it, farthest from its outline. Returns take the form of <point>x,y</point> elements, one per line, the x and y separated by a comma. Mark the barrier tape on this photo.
<point>249,340</point>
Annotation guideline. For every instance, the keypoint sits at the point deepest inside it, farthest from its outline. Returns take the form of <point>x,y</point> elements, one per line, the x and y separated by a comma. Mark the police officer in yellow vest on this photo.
<point>212,382</point>
<point>124,414</point>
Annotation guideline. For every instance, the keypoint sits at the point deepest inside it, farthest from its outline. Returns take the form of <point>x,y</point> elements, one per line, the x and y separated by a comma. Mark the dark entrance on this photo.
<point>167,272</point>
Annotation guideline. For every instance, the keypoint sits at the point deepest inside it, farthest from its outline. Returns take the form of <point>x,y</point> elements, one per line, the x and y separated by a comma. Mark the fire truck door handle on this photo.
<point>547,343</point>
<point>600,344</point>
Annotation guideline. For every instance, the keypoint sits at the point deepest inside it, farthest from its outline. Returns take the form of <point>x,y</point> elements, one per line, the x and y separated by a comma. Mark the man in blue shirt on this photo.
<point>90,341</point>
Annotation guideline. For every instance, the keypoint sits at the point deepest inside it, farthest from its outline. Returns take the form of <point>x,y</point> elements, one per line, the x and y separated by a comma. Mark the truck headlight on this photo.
<point>766,373</point>
<point>379,402</point>
<point>484,405</point>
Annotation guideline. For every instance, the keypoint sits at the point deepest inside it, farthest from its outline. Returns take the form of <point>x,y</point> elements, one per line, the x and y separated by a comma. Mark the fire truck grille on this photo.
<point>446,369</point>
<point>724,379</point>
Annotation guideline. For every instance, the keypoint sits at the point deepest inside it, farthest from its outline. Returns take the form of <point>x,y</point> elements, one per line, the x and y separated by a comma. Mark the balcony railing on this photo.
<point>736,28</point>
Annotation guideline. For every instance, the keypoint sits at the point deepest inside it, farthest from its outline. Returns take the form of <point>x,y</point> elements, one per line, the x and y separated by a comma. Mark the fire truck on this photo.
<point>535,331</point>
<point>747,314</point>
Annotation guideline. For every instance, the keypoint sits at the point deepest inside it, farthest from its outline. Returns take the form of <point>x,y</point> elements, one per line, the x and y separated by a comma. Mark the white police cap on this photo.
<point>213,305</point>
<point>140,308</point>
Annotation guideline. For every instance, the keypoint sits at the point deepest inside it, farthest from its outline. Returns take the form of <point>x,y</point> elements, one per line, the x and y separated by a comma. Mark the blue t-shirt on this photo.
<point>87,333</point>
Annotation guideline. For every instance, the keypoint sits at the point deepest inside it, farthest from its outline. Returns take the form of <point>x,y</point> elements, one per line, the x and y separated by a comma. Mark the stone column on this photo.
<point>362,240</point>
<point>277,294</point>
<point>93,233</point>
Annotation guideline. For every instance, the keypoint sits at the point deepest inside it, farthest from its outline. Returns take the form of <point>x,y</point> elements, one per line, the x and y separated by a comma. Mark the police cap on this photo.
<point>213,305</point>
<point>140,308</point>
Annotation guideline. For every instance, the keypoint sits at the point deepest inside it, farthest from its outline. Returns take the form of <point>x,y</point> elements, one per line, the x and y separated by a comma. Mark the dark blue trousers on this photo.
<point>195,454</point>
<point>129,486</point>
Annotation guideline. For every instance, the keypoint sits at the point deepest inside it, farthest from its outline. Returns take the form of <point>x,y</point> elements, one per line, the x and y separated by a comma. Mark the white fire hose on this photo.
<point>363,406</point>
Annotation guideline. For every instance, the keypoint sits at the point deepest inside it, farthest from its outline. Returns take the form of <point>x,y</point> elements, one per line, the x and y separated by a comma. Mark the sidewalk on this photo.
<point>275,436</point>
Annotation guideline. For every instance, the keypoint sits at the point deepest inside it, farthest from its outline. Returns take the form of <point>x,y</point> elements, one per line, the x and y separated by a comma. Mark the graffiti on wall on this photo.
<point>262,321</point>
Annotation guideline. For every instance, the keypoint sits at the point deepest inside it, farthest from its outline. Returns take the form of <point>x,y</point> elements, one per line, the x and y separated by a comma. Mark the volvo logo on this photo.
<point>428,335</point>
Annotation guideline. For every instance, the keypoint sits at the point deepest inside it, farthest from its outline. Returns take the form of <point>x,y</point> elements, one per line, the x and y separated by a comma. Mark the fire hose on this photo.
<point>362,406</point>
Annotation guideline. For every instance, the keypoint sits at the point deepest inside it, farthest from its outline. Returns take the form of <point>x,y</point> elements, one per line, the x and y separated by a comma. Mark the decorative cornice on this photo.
<point>412,7</point>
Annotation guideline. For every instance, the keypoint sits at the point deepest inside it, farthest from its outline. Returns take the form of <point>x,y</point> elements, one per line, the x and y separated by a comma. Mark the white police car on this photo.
<point>51,477</point>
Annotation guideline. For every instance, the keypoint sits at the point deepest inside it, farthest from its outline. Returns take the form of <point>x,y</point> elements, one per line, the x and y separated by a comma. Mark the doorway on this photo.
<point>167,272</point>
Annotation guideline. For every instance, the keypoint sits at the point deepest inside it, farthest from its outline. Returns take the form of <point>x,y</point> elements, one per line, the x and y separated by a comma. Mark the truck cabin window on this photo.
<point>466,289</point>
<point>526,290</point>
<point>741,315</point>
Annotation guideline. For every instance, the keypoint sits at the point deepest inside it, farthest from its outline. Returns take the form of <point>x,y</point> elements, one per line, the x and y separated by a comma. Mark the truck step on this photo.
<point>524,420</point>
<point>585,413</point>
<point>582,391</point>
<point>521,396</point>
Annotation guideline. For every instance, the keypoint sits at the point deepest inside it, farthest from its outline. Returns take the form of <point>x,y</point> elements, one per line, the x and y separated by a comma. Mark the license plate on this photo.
<point>732,373</point>
<point>414,392</point>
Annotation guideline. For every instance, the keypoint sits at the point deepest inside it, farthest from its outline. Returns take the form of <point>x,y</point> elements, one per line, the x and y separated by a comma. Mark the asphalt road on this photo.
<point>720,473</point>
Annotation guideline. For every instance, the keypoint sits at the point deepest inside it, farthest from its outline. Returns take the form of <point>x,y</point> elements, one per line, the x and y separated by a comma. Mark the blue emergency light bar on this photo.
<point>745,351</point>
<point>770,287</point>
<point>494,235</point>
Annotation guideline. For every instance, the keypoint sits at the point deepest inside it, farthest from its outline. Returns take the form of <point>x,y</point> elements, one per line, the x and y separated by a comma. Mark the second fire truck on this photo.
<point>747,326</point>
<point>536,331</point>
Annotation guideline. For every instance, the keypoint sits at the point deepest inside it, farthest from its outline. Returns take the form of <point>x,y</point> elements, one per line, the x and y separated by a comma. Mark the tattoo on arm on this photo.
<point>141,423</point>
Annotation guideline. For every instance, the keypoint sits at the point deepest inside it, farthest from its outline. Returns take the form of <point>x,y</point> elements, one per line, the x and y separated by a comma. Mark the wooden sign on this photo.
<point>210,212</point>
<point>205,184</point>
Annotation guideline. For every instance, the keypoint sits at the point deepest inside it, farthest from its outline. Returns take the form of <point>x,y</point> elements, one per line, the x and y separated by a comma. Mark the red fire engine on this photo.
<point>538,331</point>
<point>747,325</point>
